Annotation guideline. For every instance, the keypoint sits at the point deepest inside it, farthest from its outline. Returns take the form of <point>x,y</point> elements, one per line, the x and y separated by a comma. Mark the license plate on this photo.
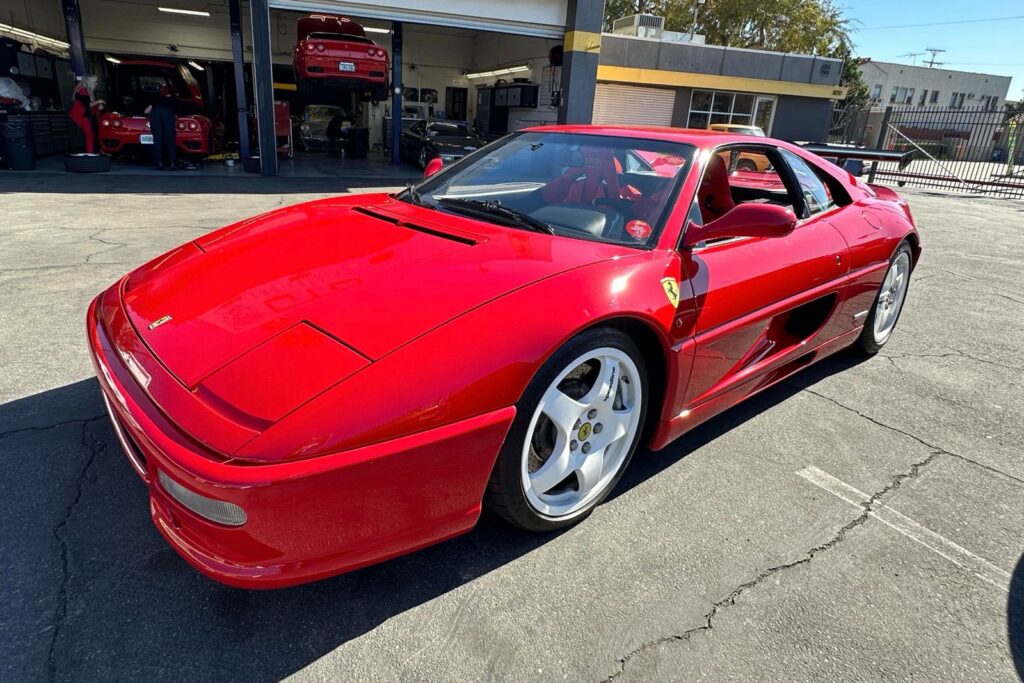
<point>346,66</point>
<point>146,139</point>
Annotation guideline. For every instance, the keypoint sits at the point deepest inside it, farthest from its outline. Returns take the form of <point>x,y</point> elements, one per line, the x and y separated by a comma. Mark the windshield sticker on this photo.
<point>638,230</point>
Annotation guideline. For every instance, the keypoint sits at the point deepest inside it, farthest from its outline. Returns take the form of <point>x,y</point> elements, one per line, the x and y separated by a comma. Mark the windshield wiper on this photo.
<point>494,209</point>
<point>414,196</point>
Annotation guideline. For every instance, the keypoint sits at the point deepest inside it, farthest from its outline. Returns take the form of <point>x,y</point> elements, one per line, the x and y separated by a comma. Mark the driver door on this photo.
<point>759,302</point>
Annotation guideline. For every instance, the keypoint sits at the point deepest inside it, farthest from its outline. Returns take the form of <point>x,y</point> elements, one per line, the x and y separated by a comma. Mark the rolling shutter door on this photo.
<point>633,105</point>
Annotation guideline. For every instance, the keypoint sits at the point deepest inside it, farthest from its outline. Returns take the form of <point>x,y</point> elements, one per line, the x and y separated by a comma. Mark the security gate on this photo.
<point>973,150</point>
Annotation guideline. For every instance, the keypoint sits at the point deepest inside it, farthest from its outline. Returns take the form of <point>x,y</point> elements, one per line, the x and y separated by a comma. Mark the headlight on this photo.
<point>218,511</point>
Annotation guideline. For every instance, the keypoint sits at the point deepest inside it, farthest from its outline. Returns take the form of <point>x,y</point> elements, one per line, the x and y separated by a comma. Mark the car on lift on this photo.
<point>333,51</point>
<point>448,140</point>
<point>346,380</point>
<point>135,84</point>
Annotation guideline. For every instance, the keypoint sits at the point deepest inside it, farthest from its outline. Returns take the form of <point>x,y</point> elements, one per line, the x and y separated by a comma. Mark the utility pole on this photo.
<point>696,9</point>
<point>912,55</point>
<point>935,52</point>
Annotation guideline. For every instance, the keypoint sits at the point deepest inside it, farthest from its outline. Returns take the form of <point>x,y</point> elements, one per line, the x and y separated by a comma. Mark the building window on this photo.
<point>709,106</point>
<point>924,98</point>
<point>956,100</point>
<point>935,97</point>
<point>901,95</point>
<point>876,93</point>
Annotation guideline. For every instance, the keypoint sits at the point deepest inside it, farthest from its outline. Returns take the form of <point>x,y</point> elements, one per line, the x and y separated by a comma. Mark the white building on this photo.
<point>901,85</point>
<point>950,114</point>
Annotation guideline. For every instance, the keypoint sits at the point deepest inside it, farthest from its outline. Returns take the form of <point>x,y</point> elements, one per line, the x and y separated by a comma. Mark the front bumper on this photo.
<point>306,519</point>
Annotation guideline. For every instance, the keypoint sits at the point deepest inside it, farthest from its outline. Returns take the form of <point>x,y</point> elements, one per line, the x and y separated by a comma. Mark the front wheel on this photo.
<point>881,321</point>
<point>577,425</point>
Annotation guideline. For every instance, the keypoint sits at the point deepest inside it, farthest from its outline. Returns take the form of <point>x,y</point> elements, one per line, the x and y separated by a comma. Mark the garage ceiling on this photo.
<point>543,18</point>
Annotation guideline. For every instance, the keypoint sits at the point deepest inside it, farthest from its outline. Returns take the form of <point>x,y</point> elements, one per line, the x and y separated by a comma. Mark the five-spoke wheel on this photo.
<point>578,424</point>
<point>882,319</point>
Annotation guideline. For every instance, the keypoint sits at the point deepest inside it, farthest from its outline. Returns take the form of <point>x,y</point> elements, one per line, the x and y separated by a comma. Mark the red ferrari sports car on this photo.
<point>334,50</point>
<point>135,84</point>
<point>342,381</point>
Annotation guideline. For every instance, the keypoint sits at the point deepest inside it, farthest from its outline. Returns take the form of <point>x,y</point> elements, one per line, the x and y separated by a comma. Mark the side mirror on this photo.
<point>433,166</point>
<point>744,220</point>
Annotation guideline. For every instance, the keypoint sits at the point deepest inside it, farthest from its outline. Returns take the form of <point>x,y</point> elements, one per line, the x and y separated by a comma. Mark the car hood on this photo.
<point>369,273</point>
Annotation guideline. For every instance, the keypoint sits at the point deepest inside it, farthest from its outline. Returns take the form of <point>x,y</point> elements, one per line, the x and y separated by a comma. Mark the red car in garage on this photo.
<point>135,84</point>
<point>334,51</point>
<point>335,383</point>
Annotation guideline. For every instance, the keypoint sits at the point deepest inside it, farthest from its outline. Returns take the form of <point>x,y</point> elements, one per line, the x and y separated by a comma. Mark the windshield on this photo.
<point>459,130</point>
<point>609,189</point>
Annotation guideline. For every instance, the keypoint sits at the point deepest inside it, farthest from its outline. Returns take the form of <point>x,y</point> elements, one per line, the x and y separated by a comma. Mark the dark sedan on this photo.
<point>450,140</point>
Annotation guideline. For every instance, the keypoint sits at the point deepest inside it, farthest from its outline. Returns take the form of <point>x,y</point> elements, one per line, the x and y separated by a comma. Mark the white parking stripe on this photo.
<point>940,545</point>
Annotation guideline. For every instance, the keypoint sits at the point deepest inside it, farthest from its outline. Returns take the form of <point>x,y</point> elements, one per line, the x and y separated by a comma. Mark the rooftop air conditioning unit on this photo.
<point>640,25</point>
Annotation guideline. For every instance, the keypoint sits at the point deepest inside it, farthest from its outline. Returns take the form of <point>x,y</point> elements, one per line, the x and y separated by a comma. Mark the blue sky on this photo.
<point>992,47</point>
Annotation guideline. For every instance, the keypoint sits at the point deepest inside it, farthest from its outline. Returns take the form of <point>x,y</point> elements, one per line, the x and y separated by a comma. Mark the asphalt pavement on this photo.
<point>862,521</point>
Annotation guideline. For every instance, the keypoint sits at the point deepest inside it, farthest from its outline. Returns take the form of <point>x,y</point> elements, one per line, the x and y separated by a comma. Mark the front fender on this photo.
<point>478,362</point>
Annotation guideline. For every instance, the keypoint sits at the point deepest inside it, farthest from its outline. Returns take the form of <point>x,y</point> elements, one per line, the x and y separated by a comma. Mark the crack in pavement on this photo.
<point>916,438</point>
<point>953,354</point>
<point>868,508</point>
<point>94,446</point>
<point>95,237</point>
<point>82,420</point>
<point>730,599</point>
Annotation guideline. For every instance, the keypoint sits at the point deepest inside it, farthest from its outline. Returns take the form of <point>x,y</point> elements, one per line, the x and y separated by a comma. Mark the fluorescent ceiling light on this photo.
<point>195,65</point>
<point>29,35</point>
<point>192,12</point>
<point>371,29</point>
<point>499,72</point>
<point>113,60</point>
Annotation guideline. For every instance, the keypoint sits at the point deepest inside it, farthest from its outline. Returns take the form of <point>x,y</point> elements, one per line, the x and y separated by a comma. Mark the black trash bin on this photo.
<point>358,143</point>
<point>18,143</point>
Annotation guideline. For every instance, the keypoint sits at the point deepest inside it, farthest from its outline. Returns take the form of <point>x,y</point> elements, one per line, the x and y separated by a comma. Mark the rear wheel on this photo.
<point>422,159</point>
<point>576,428</point>
<point>881,321</point>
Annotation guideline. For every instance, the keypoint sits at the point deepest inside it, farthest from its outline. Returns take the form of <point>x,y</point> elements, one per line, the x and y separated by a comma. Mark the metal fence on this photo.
<point>975,150</point>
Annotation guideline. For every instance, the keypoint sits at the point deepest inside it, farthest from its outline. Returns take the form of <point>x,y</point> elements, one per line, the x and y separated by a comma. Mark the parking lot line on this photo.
<point>940,545</point>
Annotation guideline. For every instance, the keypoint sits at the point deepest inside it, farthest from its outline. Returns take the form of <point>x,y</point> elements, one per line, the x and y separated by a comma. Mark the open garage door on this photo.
<point>632,105</point>
<point>542,18</point>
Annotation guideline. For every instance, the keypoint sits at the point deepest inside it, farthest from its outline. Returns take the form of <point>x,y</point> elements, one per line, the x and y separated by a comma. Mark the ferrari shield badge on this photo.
<point>671,288</point>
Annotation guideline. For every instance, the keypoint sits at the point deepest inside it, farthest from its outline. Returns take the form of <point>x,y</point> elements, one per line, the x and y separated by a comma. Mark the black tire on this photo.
<point>380,93</point>
<point>505,495</point>
<point>87,163</point>
<point>866,343</point>
<point>423,157</point>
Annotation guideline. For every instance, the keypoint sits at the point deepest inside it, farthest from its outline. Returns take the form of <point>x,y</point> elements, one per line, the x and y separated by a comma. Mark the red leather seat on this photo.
<point>596,179</point>
<point>714,195</point>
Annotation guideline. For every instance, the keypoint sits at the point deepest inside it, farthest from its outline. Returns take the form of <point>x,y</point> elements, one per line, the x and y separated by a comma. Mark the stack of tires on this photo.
<point>17,143</point>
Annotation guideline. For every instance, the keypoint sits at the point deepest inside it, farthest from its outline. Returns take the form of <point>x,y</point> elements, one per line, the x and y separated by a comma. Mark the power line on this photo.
<point>942,23</point>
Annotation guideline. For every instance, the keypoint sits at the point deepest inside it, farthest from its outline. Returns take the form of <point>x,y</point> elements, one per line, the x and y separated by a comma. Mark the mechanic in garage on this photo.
<point>82,110</point>
<point>162,118</point>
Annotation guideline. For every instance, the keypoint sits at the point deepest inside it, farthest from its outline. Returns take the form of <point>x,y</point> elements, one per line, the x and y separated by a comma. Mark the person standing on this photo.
<point>82,110</point>
<point>162,120</point>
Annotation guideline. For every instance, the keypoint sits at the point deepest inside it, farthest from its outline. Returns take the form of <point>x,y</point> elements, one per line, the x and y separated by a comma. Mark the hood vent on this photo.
<point>401,223</point>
